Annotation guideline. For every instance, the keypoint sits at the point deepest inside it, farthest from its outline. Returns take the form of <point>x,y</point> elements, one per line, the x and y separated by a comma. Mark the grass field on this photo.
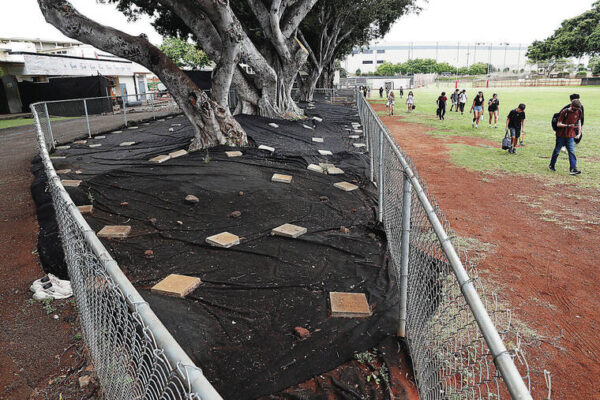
<point>534,157</point>
<point>10,123</point>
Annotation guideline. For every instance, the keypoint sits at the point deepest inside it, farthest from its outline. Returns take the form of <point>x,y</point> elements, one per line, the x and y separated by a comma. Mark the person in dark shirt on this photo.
<point>380,91</point>
<point>575,96</point>
<point>569,121</point>
<point>441,102</point>
<point>515,124</point>
<point>494,110</point>
<point>477,109</point>
<point>401,92</point>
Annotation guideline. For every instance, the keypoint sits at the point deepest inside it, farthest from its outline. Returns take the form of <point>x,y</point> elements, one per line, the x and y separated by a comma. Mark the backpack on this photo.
<point>556,116</point>
<point>506,142</point>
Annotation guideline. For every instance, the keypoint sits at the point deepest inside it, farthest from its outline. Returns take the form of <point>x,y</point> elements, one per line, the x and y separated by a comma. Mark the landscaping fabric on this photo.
<point>238,326</point>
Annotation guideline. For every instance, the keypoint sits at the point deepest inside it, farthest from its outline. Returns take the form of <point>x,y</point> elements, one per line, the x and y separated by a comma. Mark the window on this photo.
<point>380,51</point>
<point>380,61</point>
<point>367,51</point>
<point>354,52</point>
<point>368,62</point>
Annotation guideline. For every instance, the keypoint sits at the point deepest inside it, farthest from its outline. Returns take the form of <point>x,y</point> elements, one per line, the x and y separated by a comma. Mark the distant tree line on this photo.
<point>428,66</point>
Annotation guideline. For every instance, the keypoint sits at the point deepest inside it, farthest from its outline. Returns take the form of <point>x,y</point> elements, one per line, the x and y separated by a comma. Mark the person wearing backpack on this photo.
<point>515,125</point>
<point>441,103</point>
<point>579,133</point>
<point>454,98</point>
<point>568,122</point>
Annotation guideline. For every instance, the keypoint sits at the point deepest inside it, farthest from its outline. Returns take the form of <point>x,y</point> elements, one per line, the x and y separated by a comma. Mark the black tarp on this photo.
<point>67,89</point>
<point>203,79</point>
<point>238,325</point>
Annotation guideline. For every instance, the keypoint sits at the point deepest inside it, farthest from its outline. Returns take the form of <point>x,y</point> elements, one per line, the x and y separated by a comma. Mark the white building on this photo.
<point>461,54</point>
<point>36,60</point>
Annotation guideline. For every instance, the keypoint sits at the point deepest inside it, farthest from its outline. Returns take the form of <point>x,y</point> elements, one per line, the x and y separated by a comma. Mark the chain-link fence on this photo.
<point>455,335</point>
<point>134,355</point>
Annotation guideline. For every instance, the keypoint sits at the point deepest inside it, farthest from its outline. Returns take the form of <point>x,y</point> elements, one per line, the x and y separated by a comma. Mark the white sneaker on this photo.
<point>50,291</point>
<point>38,283</point>
<point>490,126</point>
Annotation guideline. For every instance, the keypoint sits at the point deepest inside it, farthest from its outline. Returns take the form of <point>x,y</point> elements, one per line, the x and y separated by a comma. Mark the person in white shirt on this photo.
<point>462,100</point>
<point>410,101</point>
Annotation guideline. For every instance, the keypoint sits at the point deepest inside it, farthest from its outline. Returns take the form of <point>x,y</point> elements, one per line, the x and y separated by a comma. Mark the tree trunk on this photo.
<point>309,84</point>
<point>213,123</point>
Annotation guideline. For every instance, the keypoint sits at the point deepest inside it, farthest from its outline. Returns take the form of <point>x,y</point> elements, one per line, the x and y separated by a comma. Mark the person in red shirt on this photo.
<point>569,123</point>
<point>441,102</point>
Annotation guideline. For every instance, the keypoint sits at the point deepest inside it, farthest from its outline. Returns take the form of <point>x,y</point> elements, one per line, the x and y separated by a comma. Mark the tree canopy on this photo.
<point>576,37</point>
<point>428,65</point>
<point>184,54</point>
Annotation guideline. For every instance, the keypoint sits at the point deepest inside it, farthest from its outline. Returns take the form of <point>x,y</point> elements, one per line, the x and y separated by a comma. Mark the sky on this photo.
<point>512,21</point>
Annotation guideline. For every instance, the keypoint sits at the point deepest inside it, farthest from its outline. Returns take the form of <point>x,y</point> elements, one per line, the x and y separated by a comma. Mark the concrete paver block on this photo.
<point>354,136</point>
<point>78,171</point>
<point>117,132</point>
<point>177,285</point>
<point>349,305</point>
<point>80,142</point>
<point>234,153</point>
<point>325,153</point>
<point>358,145</point>
<point>335,171</point>
<point>175,124</point>
<point>319,119</point>
<point>58,157</point>
<point>63,171</point>
<point>133,127</point>
<point>358,130</point>
<point>289,230</point>
<point>307,127</point>
<point>127,144</point>
<point>317,139</point>
<point>224,239</point>
<point>267,148</point>
<point>63,147</point>
<point>100,137</point>
<point>178,153</point>
<point>160,159</point>
<point>171,130</point>
<point>273,125</point>
<point>88,209</point>
<point>281,178</point>
<point>316,168</point>
<point>95,145</point>
<point>326,165</point>
<point>345,186</point>
<point>115,231</point>
<point>70,182</point>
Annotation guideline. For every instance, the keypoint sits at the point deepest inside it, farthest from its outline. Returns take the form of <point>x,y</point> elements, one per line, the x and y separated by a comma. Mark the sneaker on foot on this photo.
<point>575,171</point>
<point>50,291</point>
<point>551,168</point>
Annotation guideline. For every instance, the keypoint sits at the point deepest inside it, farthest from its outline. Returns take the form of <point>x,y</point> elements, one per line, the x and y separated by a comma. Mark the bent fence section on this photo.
<point>134,355</point>
<point>456,350</point>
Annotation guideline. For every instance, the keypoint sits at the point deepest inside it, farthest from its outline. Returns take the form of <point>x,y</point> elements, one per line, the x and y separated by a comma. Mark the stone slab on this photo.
<point>177,285</point>
<point>175,124</point>
<point>325,153</point>
<point>326,165</point>
<point>100,137</point>
<point>316,168</point>
<point>117,132</point>
<point>318,119</point>
<point>95,145</point>
<point>358,145</point>
<point>86,209</point>
<point>160,159</point>
<point>345,186</point>
<point>124,144</point>
<point>70,182</point>
<point>273,125</point>
<point>334,171</point>
<point>171,130</point>
<point>178,153</point>
<point>63,171</point>
<point>267,148</point>
<point>223,239</point>
<point>63,147</point>
<point>317,139</point>
<point>80,142</point>
<point>358,130</point>
<point>307,127</point>
<point>289,230</point>
<point>115,231</point>
<point>58,157</point>
<point>281,178</point>
<point>349,305</point>
<point>133,127</point>
<point>354,136</point>
<point>234,153</point>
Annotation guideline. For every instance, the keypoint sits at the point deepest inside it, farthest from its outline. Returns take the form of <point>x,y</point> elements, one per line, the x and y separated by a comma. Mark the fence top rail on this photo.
<point>502,358</point>
<point>179,360</point>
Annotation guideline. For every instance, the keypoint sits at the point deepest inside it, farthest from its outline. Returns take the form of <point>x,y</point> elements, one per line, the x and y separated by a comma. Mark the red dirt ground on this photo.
<point>40,358</point>
<point>545,262</point>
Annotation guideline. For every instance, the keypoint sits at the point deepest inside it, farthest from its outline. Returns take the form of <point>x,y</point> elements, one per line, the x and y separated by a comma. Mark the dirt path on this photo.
<point>545,254</point>
<point>40,356</point>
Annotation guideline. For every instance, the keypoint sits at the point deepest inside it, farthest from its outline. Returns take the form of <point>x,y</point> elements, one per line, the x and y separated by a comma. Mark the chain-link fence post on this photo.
<point>404,253</point>
<point>87,118</point>
<point>52,142</point>
<point>380,182</point>
<point>152,101</point>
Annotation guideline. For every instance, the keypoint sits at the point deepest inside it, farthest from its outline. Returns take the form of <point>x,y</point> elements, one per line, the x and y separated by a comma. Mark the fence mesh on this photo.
<point>123,349</point>
<point>450,355</point>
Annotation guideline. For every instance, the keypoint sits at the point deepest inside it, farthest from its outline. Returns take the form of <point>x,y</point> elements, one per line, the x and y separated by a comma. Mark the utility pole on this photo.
<point>505,50</point>
<point>457,58</point>
<point>519,62</point>
<point>490,58</point>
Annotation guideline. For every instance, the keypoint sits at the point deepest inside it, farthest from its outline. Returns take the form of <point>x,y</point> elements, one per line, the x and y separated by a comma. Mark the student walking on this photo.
<point>462,101</point>
<point>494,110</point>
<point>568,122</point>
<point>454,99</point>
<point>410,101</point>
<point>390,103</point>
<point>380,91</point>
<point>477,109</point>
<point>515,124</point>
<point>401,92</point>
<point>441,103</point>
<point>578,132</point>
